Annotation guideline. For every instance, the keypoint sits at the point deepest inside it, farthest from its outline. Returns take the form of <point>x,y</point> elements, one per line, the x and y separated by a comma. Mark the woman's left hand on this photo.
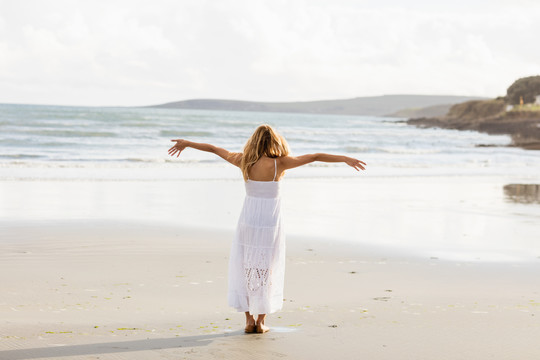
<point>178,147</point>
<point>355,163</point>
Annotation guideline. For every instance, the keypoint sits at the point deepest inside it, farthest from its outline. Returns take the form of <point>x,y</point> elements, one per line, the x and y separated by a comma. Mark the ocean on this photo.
<point>90,143</point>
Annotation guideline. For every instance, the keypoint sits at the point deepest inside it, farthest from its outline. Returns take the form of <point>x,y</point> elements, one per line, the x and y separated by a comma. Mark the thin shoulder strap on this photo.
<point>275,169</point>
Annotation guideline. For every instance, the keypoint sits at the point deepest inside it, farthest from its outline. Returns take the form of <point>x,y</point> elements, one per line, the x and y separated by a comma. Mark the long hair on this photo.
<point>264,141</point>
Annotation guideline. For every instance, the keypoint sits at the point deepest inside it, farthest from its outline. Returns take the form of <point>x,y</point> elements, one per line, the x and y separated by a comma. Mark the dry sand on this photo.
<point>105,290</point>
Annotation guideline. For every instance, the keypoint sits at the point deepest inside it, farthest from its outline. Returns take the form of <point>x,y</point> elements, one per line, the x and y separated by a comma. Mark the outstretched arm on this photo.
<point>181,144</point>
<point>289,162</point>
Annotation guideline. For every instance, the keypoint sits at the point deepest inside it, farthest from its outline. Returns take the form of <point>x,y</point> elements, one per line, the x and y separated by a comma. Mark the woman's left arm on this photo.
<point>181,144</point>
<point>289,162</point>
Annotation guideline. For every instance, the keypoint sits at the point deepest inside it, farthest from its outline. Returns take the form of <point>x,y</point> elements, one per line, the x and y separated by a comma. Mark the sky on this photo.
<point>131,52</point>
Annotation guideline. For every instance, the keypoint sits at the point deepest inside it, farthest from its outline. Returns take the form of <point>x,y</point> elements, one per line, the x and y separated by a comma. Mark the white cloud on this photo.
<point>138,52</point>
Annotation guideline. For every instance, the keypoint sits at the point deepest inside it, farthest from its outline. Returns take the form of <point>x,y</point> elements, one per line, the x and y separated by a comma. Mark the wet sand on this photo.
<point>456,218</point>
<point>84,289</point>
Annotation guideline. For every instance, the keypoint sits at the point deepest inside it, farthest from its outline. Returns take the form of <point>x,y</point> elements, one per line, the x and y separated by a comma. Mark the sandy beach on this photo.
<point>126,290</point>
<point>377,268</point>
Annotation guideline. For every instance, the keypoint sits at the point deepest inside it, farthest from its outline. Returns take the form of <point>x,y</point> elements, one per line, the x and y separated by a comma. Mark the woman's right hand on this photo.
<point>180,145</point>
<point>355,163</point>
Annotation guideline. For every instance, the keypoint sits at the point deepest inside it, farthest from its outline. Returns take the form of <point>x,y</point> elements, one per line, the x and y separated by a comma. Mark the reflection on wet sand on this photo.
<point>523,193</point>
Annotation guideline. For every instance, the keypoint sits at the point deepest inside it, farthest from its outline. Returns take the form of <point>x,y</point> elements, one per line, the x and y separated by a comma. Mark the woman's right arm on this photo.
<point>181,144</point>
<point>289,162</point>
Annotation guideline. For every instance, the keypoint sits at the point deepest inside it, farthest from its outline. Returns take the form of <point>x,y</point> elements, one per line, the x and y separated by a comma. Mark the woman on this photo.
<point>257,260</point>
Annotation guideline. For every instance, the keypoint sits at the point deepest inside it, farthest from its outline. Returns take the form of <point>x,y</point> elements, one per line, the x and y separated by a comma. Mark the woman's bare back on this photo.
<point>264,169</point>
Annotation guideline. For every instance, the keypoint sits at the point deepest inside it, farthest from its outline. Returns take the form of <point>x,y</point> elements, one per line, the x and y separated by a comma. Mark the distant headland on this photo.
<point>517,114</point>
<point>385,105</point>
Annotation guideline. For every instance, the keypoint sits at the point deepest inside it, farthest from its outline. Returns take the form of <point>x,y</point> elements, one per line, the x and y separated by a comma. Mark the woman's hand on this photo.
<point>178,147</point>
<point>355,163</point>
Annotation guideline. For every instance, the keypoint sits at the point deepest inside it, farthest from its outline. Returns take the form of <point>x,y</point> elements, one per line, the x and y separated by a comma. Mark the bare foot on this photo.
<point>250,328</point>
<point>261,328</point>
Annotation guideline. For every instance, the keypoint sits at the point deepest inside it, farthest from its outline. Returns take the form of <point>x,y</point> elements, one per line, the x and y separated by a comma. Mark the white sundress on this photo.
<point>257,260</point>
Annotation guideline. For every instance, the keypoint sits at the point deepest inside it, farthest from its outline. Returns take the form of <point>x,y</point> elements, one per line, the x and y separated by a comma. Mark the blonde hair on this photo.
<point>264,141</point>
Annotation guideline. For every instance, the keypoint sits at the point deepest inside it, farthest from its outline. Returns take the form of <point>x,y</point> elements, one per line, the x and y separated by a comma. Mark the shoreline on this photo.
<point>146,292</point>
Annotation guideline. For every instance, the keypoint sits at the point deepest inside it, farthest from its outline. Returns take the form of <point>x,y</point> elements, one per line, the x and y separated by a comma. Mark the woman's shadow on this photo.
<point>115,347</point>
